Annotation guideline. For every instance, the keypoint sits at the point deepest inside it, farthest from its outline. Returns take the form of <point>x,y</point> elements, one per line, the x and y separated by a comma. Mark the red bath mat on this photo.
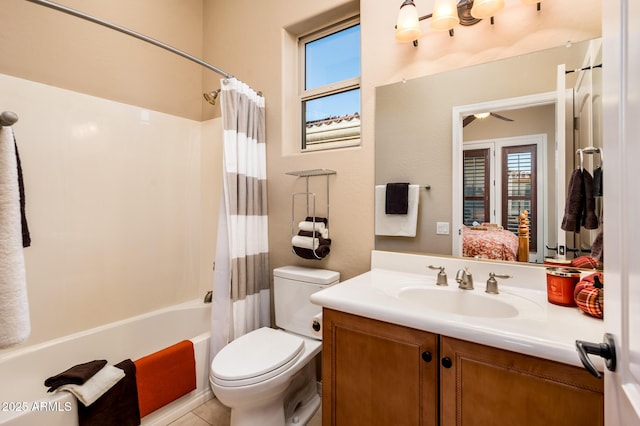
<point>165,375</point>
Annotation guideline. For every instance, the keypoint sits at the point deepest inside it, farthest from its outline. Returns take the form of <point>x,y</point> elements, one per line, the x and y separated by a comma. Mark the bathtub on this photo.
<point>24,399</point>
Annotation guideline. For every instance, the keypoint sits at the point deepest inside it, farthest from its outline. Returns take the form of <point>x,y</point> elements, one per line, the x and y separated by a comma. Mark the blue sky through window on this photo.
<point>330,59</point>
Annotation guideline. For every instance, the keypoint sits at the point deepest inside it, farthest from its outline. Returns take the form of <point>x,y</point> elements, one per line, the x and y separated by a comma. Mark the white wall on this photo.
<point>114,206</point>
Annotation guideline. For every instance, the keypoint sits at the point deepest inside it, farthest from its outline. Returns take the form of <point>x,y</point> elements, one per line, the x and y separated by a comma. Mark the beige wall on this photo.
<point>255,41</point>
<point>47,46</point>
<point>265,58</point>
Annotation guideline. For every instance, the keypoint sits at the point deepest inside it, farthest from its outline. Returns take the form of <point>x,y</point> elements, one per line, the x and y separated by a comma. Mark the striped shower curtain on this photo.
<point>241,296</point>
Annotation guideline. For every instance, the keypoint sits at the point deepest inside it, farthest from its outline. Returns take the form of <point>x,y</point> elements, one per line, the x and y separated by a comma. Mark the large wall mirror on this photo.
<point>432,130</point>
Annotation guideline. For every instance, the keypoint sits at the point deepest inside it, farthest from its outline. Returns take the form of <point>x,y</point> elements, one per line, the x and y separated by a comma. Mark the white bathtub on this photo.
<point>24,400</point>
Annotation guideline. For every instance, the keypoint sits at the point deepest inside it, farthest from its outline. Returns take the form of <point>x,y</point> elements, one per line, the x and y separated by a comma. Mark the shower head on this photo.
<point>211,96</point>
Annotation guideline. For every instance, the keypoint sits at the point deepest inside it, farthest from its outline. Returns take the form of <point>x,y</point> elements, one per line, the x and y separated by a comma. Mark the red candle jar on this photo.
<point>561,282</point>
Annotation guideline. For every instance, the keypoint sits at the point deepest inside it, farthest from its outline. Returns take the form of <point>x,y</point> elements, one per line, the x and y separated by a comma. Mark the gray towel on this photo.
<point>573,206</point>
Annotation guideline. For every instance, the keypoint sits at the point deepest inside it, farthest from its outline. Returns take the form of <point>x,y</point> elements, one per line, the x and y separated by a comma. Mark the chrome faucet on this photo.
<point>442,276</point>
<point>464,279</point>
<point>492,283</point>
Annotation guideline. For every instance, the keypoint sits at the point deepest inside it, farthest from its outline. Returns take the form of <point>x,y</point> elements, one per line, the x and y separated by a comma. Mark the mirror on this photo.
<point>418,121</point>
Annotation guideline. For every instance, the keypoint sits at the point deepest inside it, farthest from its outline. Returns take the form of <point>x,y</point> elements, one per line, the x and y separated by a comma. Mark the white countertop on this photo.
<point>540,329</point>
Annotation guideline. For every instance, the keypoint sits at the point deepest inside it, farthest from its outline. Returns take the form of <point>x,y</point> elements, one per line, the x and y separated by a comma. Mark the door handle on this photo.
<point>606,350</point>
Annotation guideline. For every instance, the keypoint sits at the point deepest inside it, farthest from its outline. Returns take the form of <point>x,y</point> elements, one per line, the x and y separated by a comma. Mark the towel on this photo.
<point>26,237</point>
<point>320,253</point>
<point>15,325</point>
<point>165,375</point>
<point>597,182</point>
<point>573,205</point>
<point>396,199</point>
<point>96,386</point>
<point>317,219</point>
<point>118,406</point>
<point>315,234</point>
<point>305,242</point>
<point>394,224</point>
<point>589,218</point>
<point>76,375</point>
<point>311,226</point>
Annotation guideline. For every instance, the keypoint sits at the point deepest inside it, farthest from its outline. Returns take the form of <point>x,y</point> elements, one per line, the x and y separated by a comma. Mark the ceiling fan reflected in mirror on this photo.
<point>482,115</point>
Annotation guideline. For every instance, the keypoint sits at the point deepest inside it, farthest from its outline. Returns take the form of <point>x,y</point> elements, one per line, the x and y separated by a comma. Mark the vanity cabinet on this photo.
<point>481,385</point>
<point>376,373</point>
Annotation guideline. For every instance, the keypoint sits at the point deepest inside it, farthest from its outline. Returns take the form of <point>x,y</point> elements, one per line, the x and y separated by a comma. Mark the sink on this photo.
<point>460,302</point>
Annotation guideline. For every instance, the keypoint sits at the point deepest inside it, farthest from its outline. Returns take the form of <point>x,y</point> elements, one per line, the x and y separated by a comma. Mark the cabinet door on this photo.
<point>487,386</point>
<point>375,373</point>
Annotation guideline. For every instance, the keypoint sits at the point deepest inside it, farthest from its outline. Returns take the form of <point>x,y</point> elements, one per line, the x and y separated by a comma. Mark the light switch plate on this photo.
<point>442,228</point>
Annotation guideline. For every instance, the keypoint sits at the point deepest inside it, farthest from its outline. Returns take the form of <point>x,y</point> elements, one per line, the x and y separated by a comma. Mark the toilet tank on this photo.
<point>292,288</point>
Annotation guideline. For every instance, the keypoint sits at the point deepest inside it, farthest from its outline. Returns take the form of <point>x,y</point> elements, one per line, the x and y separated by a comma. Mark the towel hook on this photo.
<point>8,118</point>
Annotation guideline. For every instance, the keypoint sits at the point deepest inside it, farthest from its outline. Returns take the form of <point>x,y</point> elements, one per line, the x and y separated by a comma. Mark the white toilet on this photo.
<point>268,377</point>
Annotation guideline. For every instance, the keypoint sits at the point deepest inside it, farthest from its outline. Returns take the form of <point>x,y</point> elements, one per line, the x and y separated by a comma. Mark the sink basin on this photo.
<point>460,302</point>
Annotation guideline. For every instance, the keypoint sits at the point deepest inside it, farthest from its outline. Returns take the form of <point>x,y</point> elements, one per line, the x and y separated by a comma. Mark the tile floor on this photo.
<point>213,413</point>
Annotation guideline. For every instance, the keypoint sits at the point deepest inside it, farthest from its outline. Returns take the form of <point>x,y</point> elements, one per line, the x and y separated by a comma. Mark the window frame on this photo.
<point>305,95</point>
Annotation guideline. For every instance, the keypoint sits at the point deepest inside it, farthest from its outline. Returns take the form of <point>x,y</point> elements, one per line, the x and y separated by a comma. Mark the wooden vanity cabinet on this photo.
<point>376,373</point>
<point>488,386</point>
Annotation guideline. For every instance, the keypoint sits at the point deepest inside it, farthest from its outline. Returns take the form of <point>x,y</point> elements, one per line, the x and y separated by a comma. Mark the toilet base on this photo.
<point>295,407</point>
<point>304,413</point>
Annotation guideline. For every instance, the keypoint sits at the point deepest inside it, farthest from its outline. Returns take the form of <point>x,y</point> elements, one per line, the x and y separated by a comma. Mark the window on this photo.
<point>476,171</point>
<point>519,188</point>
<point>330,87</point>
<point>500,180</point>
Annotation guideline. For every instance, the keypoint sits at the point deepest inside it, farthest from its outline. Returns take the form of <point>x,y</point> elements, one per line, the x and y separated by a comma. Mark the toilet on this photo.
<point>268,376</point>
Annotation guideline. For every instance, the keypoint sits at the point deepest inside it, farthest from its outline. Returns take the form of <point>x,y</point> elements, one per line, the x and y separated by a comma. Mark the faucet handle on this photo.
<point>492,283</point>
<point>442,276</point>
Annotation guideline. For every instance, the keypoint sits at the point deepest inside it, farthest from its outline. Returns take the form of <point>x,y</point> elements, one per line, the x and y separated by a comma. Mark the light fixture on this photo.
<point>481,115</point>
<point>446,15</point>
<point>483,9</point>
<point>408,27</point>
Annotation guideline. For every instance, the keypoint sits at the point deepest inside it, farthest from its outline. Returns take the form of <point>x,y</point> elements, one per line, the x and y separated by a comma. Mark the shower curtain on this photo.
<point>241,296</point>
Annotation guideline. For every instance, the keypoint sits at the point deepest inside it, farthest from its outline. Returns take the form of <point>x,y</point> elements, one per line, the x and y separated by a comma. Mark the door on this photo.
<point>501,178</point>
<point>621,26</point>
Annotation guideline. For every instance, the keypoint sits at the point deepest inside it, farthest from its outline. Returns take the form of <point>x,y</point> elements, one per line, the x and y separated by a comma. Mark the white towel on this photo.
<point>398,225</point>
<point>309,226</point>
<point>305,242</point>
<point>14,309</point>
<point>96,386</point>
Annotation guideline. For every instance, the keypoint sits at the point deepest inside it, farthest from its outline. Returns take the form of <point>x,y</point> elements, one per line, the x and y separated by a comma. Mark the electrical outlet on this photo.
<point>442,228</point>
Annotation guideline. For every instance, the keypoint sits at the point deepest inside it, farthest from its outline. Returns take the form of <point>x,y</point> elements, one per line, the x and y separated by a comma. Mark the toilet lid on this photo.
<point>255,357</point>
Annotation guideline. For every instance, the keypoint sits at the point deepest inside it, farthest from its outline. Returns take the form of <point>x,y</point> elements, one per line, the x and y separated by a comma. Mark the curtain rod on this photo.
<point>129,32</point>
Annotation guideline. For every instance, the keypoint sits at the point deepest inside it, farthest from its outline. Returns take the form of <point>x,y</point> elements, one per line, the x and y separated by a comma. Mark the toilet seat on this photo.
<point>255,357</point>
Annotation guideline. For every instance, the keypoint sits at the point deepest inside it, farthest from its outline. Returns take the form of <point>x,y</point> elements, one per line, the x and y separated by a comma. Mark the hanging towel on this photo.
<point>573,205</point>
<point>589,218</point>
<point>118,406</point>
<point>96,386</point>
<point>597,182</point>
<point>14,309</point>
<point>26,237</point>
<point>396,199</point>
<point>395,224</point>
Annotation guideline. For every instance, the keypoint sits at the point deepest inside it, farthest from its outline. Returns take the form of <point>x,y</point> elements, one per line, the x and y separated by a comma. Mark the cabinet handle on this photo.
<point>426,356</point>
<point>446,362</point>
